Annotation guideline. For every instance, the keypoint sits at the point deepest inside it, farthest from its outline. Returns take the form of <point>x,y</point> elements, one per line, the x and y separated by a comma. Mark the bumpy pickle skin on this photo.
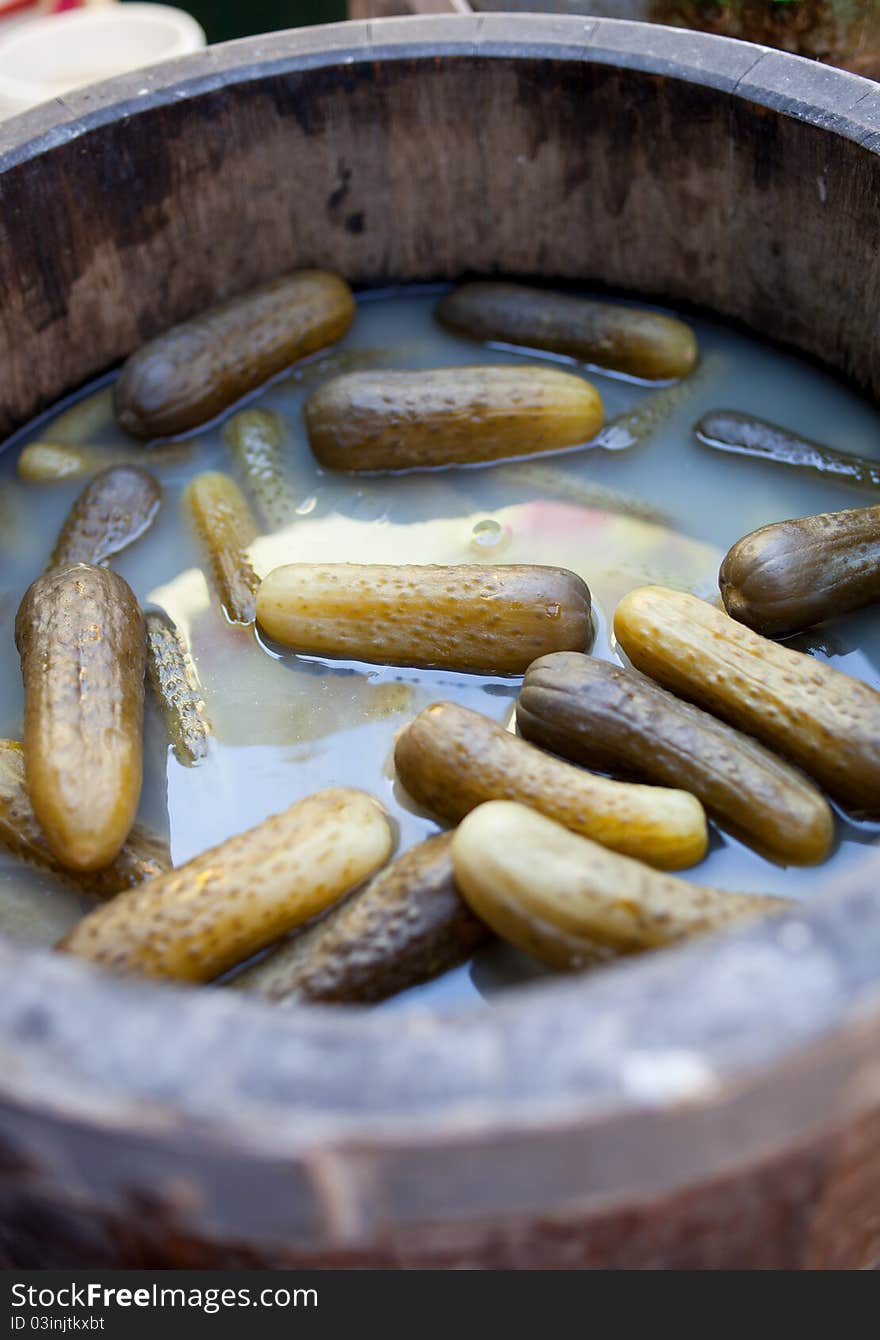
<point>792,575</point>
<point>143,855</point>
<point>633,340</point>
<point>115,509</point>
<point>53,463</point>
<point>481,619</point>
<point>451,760</point>
<point>618,721</point>
<point>406,926</point>
<point>255,438</point>
<point>568,901</point>
<point>212,913</point>
<point>174,682</point>
<point>225,528</point>
<point>80,636</point>
<point>196,370</point>
<point>380,420</point>
<point>820,719</point>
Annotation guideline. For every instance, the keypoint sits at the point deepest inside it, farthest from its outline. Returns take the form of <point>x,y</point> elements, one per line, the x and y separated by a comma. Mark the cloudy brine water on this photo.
<point>664,510</point>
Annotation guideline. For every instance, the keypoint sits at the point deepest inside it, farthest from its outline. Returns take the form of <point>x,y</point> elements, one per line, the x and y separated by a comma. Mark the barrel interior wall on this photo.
<point>619,176</point>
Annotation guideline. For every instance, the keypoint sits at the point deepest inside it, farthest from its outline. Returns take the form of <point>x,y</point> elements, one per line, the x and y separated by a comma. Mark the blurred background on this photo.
<point>223,19</point>
<point>48,47</point>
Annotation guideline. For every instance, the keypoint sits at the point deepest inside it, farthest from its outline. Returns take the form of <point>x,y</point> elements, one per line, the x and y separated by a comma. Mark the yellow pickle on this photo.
<point>451,760</point>
<point>142,856</point>
<point>80,636</point>
<point>483,619</point>
<point>379,420</point>
<point>817,717</point>
<point>570,902</point>
<point>407,925</point>
<point>225,527</point>
<point>196,921</point>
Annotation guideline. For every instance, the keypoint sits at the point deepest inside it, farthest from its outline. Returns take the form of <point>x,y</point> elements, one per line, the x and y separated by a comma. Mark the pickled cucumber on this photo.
<point>448,416</point>
<point>255,437</point>
<point>451,759</point>
<point>744,435</point>
<point>812,714</point>
<point>407,925</point>
<point>113,511</point>
<point>199,368</point>
<point>789,576</point>
<point>174,680</point>
<point>621,722</point>
<point>54,462</point>
<point>80,635</point>
<point>143,855</point>
<point>226,528</point>
<point>634,340</point>
<point>195,922</point>
<point>487,620</point>
<point>568,901</point>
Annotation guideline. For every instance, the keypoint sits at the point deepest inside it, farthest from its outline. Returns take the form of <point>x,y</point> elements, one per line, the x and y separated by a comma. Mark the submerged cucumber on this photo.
<point>199,368</point>
<point>407,925</point>
<point>80,635</point>
<point>218,909</point>
<point>633,340</point>
<point>114,510</point>
<point>484,619</point>
<point>451,759</point>
<point>789,576</point>
<point>143,855</point>
<point>569,902</point>
<point>821,719</point>
<point>448,416</point>
<point>621,722</point>
<point>175,684</point>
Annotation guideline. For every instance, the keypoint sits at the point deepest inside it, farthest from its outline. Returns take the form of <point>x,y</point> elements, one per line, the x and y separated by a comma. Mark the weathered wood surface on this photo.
<point>840,32</point>
<point>587,151</point>
<point>608,1120</point>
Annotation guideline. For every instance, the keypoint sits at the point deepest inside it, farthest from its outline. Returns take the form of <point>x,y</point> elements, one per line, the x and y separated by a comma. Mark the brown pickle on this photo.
<point>80,635</point>
<point>789,576</point>
<point>451,759</point>
<point>143,855</point>
<point>448,416</point>
<point>822,720</point>
<point>568,901</point>
<point>621,722</point>
<point>199,368</point>
<point>114,510</point>
<point>225,527</point>
<point>484,619</point>
<point>407,925</point>
<point>204,917</point>
<point>174,681</point>
<point>641,343</point>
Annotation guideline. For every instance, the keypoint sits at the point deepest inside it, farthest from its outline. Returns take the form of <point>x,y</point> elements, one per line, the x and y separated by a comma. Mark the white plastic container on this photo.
<point>50,56</point>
